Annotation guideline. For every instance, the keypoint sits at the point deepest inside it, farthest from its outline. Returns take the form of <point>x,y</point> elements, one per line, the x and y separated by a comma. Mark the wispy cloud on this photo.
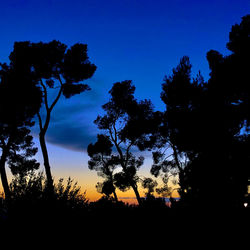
<point>71,135</point>
<point>71,124</point>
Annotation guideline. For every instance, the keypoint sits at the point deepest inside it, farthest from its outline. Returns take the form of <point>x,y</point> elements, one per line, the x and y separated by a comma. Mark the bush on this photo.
<point>30,198</point>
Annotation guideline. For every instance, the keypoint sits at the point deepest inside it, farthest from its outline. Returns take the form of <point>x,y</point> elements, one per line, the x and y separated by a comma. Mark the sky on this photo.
<point>138,40</point>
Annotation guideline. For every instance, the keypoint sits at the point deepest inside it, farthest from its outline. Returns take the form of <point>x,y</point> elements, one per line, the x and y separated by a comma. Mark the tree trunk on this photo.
<point>138,197</point>
<point>43,130</point>
<point>124,164</point>
<point>115,196</point>
<point>4,176</point>
<point>46,162</point>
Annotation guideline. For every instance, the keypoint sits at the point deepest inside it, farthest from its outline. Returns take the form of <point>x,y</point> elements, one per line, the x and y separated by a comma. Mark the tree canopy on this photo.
<point>52,66</point>
<point>129,125</point>
<point>207,123</point>
<point>17,109</point>
<point>200,141</point>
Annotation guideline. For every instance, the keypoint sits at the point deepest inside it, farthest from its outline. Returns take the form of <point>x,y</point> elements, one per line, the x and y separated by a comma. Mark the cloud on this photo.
<point>70,135</point>
<point>71,125</point>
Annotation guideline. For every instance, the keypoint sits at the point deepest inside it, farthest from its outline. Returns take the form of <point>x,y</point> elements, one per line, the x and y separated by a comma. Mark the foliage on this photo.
<point>206,125</point>
<point>200,142</point>
<point>129,124</point>
<point>30,194</point>
<point>27,187</point>
<point>70,194</point>
<point>51,66</point>
<point>17,109</point>
<point>149,184</point>
<point>104,162</point>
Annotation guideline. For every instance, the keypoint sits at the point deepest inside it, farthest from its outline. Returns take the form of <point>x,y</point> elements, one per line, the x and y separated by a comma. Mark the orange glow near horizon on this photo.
<point>87,181</point>
<point>67,163</point>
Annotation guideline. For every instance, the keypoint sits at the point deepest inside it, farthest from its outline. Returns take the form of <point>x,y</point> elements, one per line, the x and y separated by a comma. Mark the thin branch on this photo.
<point>113,125</point>
<point>117,148</point>
<point>40,121</point>
<point>116,135</point>
<point>45,95</point>
<point>166,148</point>
<point>127,152</point>
<point>167,157</point>
<point>58,95</point>
<point>103,161</point>
<point>118,143</point>
<point>175,154</point>
<point>111,135</point>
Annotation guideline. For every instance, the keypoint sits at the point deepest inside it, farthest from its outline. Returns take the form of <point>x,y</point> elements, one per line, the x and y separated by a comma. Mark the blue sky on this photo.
<point>139,40</point>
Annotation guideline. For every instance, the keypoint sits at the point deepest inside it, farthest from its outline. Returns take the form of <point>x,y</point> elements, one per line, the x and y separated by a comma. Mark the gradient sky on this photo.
<point>139,40</point>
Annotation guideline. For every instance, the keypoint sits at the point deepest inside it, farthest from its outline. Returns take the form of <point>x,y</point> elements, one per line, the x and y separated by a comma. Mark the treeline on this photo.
<point>201,140</point>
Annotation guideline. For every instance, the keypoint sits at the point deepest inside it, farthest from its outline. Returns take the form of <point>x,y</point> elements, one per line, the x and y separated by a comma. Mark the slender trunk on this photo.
<point>115,196</point>
<point>124,163</point>
<point>46,162</point>
<point>138,197</point>
<point>4,176</point>
<point>114,193</point>
<point>43,130</point>
<point>133,185</point>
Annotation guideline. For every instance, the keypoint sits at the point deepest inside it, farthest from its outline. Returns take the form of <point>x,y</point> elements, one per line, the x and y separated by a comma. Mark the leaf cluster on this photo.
<point>53,60</point>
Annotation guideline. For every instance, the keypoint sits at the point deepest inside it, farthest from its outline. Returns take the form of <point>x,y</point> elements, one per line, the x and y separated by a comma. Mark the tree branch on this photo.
<point>40,121</point>
<point>113,125</point>
<point>103,161</point>
<point>45,95</point>
<point>116,135</point>
<point>175,154</point>
<point>117,148</point>
<point>167,157</point>
<point>58,95</point>
<point>127,152</point>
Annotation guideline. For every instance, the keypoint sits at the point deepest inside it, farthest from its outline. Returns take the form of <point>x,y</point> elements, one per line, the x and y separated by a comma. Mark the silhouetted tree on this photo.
<point>129,124</point>
<point>53,66</point>
<point>181,129</point>
<point>17,108</point>
<point>168,166</point>
<point>229,88</point>
<point>183,97</point>
<point>104,163</point>
<point>150,185</point>
<point>208,124</point>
